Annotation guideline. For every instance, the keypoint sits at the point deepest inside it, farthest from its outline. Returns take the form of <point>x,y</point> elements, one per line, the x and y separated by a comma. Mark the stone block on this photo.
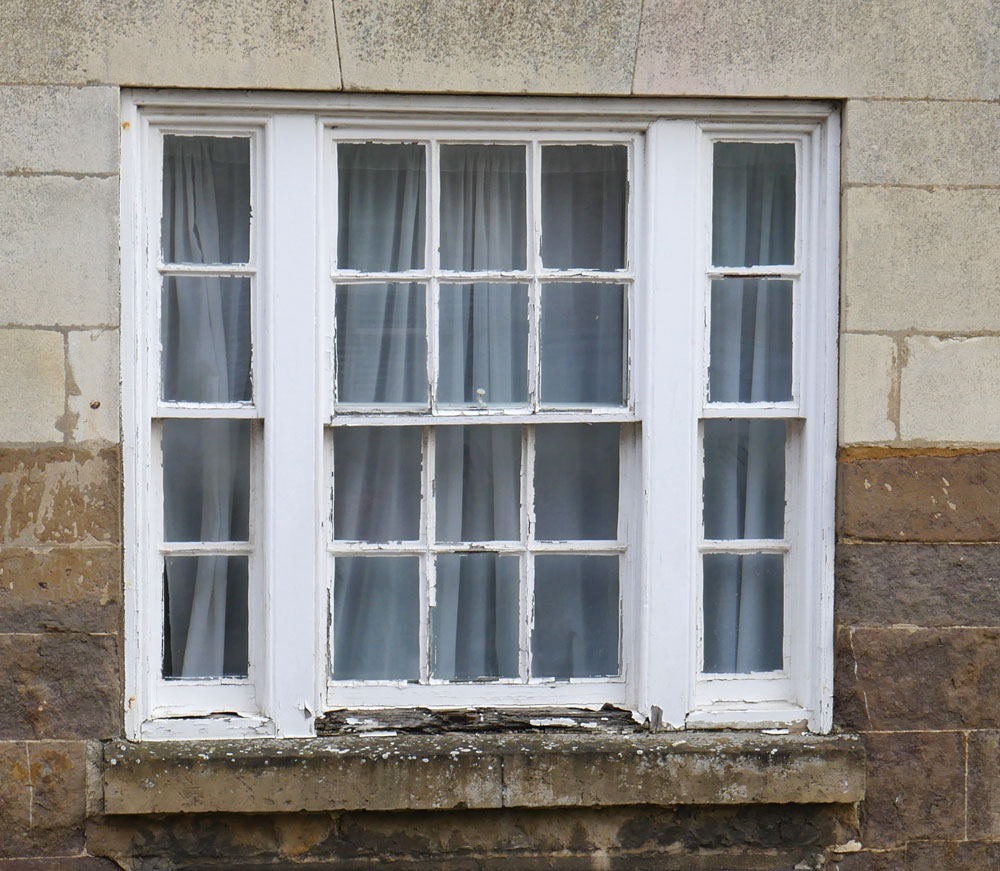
<point>950,390</point>
<point>870,860</point>
<point>58,249</point>
<point>32,385</point>
<point>76,863</point>
<point>60,588</point>
<point>50,128</point>
<point>913,678</point>
<point>93,385</point>
<point>842,48</point>
<point>58,783</point>
<point>970,855</point>
<point>15,796</point>
<point>176,43</point>
<point>984,785</point>
<point>60,685</point>
<point>918,584</point>
<point>867,373</point>
<point>504,46</point>
<point>922,497</point>
<point>59,495</point>
<point>921,142</point>
<point>916,788</point>
<point>917,259</point>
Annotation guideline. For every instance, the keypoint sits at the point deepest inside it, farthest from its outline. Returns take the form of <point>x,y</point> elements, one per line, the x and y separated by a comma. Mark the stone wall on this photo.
<point>918,619</point>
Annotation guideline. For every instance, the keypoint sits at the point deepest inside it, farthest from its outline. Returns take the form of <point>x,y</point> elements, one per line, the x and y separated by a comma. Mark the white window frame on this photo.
<point>671,193</point>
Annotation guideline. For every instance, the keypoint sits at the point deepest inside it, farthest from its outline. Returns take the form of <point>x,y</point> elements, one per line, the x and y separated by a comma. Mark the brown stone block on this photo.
<point>916,788</point>
<point>59,783</point>
<point>15,796</point>
<point>967,856</point>
<point>921,497</point>
<point>919,584</point>
<point>868,860</point>
<point>60,588</point>
<point>78,863</point>
<point>59,685</point>
<point>984,785</point>
<point>59,495</point>
<point>909,678</point>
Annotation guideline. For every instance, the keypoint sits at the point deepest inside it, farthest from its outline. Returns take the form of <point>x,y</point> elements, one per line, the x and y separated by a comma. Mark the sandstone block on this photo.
<point>921,142</point>
<point>508,47</point>
<point>921,497</point>
<point>950,390</point>
<point>58,249</point>
<point>77,863</point>
<point>970,855</point>
<point>843,48</point>
<point>15,796</point>
<point>32,385</point>
<point>51,128</point>
<point>94,385</point>
<point>925,260</point>
<point>58,781</point>
<point>984,785</point>
<point>867,368</point>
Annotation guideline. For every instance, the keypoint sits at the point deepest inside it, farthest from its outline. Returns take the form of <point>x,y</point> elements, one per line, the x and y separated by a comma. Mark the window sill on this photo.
<point>439,772</point>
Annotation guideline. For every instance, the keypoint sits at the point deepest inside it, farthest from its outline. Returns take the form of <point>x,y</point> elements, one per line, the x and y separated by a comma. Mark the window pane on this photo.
<point>206,199</point>
<point>743,612</point>
<point>744,479</point>
<point>376,479</point>
<point>484,344</point>
<point>584,196</point>
<point>477,482</point>
<point>483,217</point>
<point>753,204</point>
<point>376,616</point>
<point>381,207</point>
<point>583,344</point>
<point>576,616</point>
<point>751,357</point>
<point>381,344</point>
<point>206,339</point>
<point>475,617</point>
<point>205,623</point>
<point>576,481</point>
<point>206,480</point>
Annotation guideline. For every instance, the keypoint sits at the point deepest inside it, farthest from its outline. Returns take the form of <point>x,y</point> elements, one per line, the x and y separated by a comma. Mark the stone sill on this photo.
<point>439,772</point>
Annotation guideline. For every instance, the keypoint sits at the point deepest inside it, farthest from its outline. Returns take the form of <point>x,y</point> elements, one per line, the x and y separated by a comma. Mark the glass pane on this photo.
<point>583,344</point>
<point>744,479</point>
<point>477,482</point>
<point>483,345</point>
<point>205,622</point>
<point>576,617</point>
<point>376,479</point>
<point>743,612</point>
<point>483,216</point>
<point>576,481</point>
<point>753,204</point>
<point>751,358</point>
<point>381,344</point>
<point>376,617</point>
<point>381,207</point>
<point>584,197</point>
<point>206,199</point>
<point>206,480</point>
<point>205,332</point>
<point>475,617</point>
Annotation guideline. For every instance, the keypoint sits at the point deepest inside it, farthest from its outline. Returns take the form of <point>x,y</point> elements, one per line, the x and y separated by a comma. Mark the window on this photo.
<point>456,404</point>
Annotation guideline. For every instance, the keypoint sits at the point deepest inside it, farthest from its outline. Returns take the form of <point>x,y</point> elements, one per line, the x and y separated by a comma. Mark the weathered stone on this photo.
<point>93,385</point>
<point>921,142</point>
<point>505,46</point>
<point>59,495</point>
<point>57,129</point>
<point>954,856</point>
<point>58,248</point>
<point>486,771</point>
<point>15,796</point>
<point>78,863</point>
<point>984,785</point>
<point>870,860</point>
<point>843,48</point>
<point>58,783</point>
<point>178,43</point>
<point>923,585</point>
<point>920,496</point>
<point>60,588</point>
<point>32,385</point>
<point>917,259</point>
<point>910,678</point>
<point>59,685</point>
<point>866,383</point>
<point>942,381</point>
<point>916,788</point>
